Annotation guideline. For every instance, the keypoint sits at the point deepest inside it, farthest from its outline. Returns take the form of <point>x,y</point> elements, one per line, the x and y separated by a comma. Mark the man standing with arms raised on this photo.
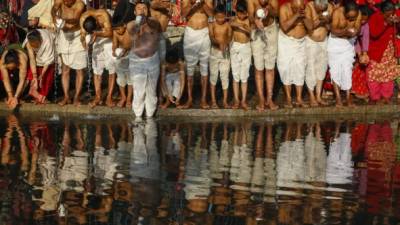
<point>264,44</point>
<point>144,60</point>
<point>291,49</point>
<point>196,45</point>
<point>66,15</point>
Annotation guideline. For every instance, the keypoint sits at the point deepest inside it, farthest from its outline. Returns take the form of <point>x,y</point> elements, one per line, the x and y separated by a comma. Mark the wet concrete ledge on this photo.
<point>84,110</point>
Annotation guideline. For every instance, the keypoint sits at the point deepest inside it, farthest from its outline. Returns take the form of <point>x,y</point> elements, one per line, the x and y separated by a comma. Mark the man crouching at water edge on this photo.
<point>144,61</point>
<point>96,26</point>
<point>291,49</point>
<point>66,14</point>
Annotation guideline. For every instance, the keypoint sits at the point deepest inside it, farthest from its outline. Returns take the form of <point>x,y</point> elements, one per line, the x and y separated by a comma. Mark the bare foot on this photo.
<point>260,107</point>
<point>272,106</point>
<point>288,105</point>
<point>110,102</point>
<point>226,105</point>
<point>95,102</point>
<point>165,105</point>
<point>121,103</point>
<point>301,104</point>
<point>339,105</point>
<point>128,104</point>
<point>214,105</point>
<point>204,105</point>
<point>244,106</point>
<point>235,105</point>
<point>350,104</point>
<point>187,105</point>
<point>77,102</point>
<point>314,104</point>
<point>386,101</point>
<point>322,102</point>
<point>65,101</point>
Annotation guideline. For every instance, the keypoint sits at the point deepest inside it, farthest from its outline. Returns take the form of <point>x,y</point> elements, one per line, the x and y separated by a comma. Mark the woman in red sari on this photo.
<point>383,68</point>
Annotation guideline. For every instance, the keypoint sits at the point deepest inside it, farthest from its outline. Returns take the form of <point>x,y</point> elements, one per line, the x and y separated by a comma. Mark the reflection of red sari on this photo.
<point>358,138</point>
<point>380,153</point>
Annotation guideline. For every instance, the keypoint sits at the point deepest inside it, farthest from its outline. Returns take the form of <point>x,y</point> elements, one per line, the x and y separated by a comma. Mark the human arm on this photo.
<point>211,34</point>
<point>273,8</point>
<point>23,64</point>
<point>106,30</point>
<point>251,11</point>
<point>114,44</point>
<point>55,9</point>
<point>32,61</point>
<point>245,28</point>
<point>286,21</point>
<point>208,7</point>
<point>182,80</point>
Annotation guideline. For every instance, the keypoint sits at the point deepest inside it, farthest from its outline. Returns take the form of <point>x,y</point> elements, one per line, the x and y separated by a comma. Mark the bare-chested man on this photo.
<point>346,24</point>
<point>121,46</point>
<point>196,45</point>
<point>144,60</point>
<point>96,25</point>
<point>320,12</point>
<point>263,15</point>
<point>162,11</point>
<point>66,15</point>
<point>291,49</point>
<point>221,36</point>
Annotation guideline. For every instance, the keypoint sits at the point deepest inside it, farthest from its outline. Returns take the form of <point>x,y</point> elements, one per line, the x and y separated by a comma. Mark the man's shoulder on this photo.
<point>79,4</point>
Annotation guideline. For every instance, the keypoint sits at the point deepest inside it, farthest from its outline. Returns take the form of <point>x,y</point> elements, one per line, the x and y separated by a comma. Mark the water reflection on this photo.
<point>110,172</point>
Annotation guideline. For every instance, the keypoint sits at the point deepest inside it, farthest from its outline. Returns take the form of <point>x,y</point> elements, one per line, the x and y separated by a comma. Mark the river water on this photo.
<point>107,171</point>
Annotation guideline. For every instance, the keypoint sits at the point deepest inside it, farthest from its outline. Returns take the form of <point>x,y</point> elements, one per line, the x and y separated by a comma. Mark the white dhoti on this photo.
<point>291,59</point>
<point>173,83</point>
<point>240,61</point>
<point>341,56</point>
<point>219,66</point>
<point>265,51</point>
<point>317,61</point>
<point>122,70</point>
<point>144,73</point>
<point>71,50</point>
<point>340,168</point>
<point>102,58</point>
<point>162,49</point>
<point>196,47</point>
<point>315,159</point>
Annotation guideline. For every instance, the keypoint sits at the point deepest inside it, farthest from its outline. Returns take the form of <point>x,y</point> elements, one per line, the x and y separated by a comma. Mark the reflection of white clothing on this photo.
<point>51,191</point>
<point>197,174</point>
<point>240,61</point>
<point>144,73</point>
<point>270,183</point>
<point>341,56</point>
<point>70,48</point>
<point>258,179</point>
<point>105,165</point>
<point>45,53</point>
<point>315,159</point>
<point>290,164</point>
<point>241,167</point>
<point>291,59</point>
<point>196,47</point>
<point>339,164</point>
<point>145,160</point>
<point>74,171</point>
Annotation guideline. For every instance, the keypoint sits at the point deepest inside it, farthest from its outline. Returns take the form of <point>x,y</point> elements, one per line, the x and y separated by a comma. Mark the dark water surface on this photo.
<point>107,171</point>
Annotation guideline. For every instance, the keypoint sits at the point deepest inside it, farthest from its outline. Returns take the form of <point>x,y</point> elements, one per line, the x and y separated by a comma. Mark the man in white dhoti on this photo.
<point>346,23</point>
<point>291,49</point>
<point>196,45</point>
<point>66,14</point>
<point>320,12</point>
<point>144,61</point>
<point>263,15</point>
<point>96,24</point>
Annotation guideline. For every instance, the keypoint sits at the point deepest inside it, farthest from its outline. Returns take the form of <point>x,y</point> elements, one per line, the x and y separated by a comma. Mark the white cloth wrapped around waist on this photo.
<point>142,66</point>
<point>193,39</point>
<point>291,59</point>
<point>69,42</point>
<point>45,53</point>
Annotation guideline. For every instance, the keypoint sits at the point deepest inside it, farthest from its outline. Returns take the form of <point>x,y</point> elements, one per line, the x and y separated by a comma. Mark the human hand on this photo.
<point>12,102</point>
<point>259,24</point>
<point>171,99</point>
<point>351,32</point>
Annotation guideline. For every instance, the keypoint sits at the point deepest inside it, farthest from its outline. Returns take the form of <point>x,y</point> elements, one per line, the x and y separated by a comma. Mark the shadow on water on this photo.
<point>116,172</point>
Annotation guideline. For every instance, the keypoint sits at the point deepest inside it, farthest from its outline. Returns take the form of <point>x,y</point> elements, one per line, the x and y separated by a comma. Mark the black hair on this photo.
<point>387,6</point>
<point>241,6</point>
<point>172,56</point>
<point>366,10</point>
<point>350,6</point>
<point>220,8</point>
<point>34,35</point>
<point>123,13</point>
<point>11,57</point>
<point>90,24</point>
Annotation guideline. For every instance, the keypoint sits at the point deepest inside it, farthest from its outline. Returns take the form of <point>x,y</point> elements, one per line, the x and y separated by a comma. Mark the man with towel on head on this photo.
<point>144,60</point>
<point>66,14</point>
<point>197,45</point>
<point>264,45</point>
<point>320,12</point>
<point>96,25</point>
<point>346,23</point>
<point>291,48</point>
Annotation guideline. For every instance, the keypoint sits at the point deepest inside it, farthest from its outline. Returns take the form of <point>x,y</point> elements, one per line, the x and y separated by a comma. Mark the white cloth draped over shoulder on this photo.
<point>45,53</point>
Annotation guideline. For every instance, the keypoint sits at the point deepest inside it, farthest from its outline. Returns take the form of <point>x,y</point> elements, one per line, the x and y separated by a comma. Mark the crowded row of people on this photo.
<point>301,39</point>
